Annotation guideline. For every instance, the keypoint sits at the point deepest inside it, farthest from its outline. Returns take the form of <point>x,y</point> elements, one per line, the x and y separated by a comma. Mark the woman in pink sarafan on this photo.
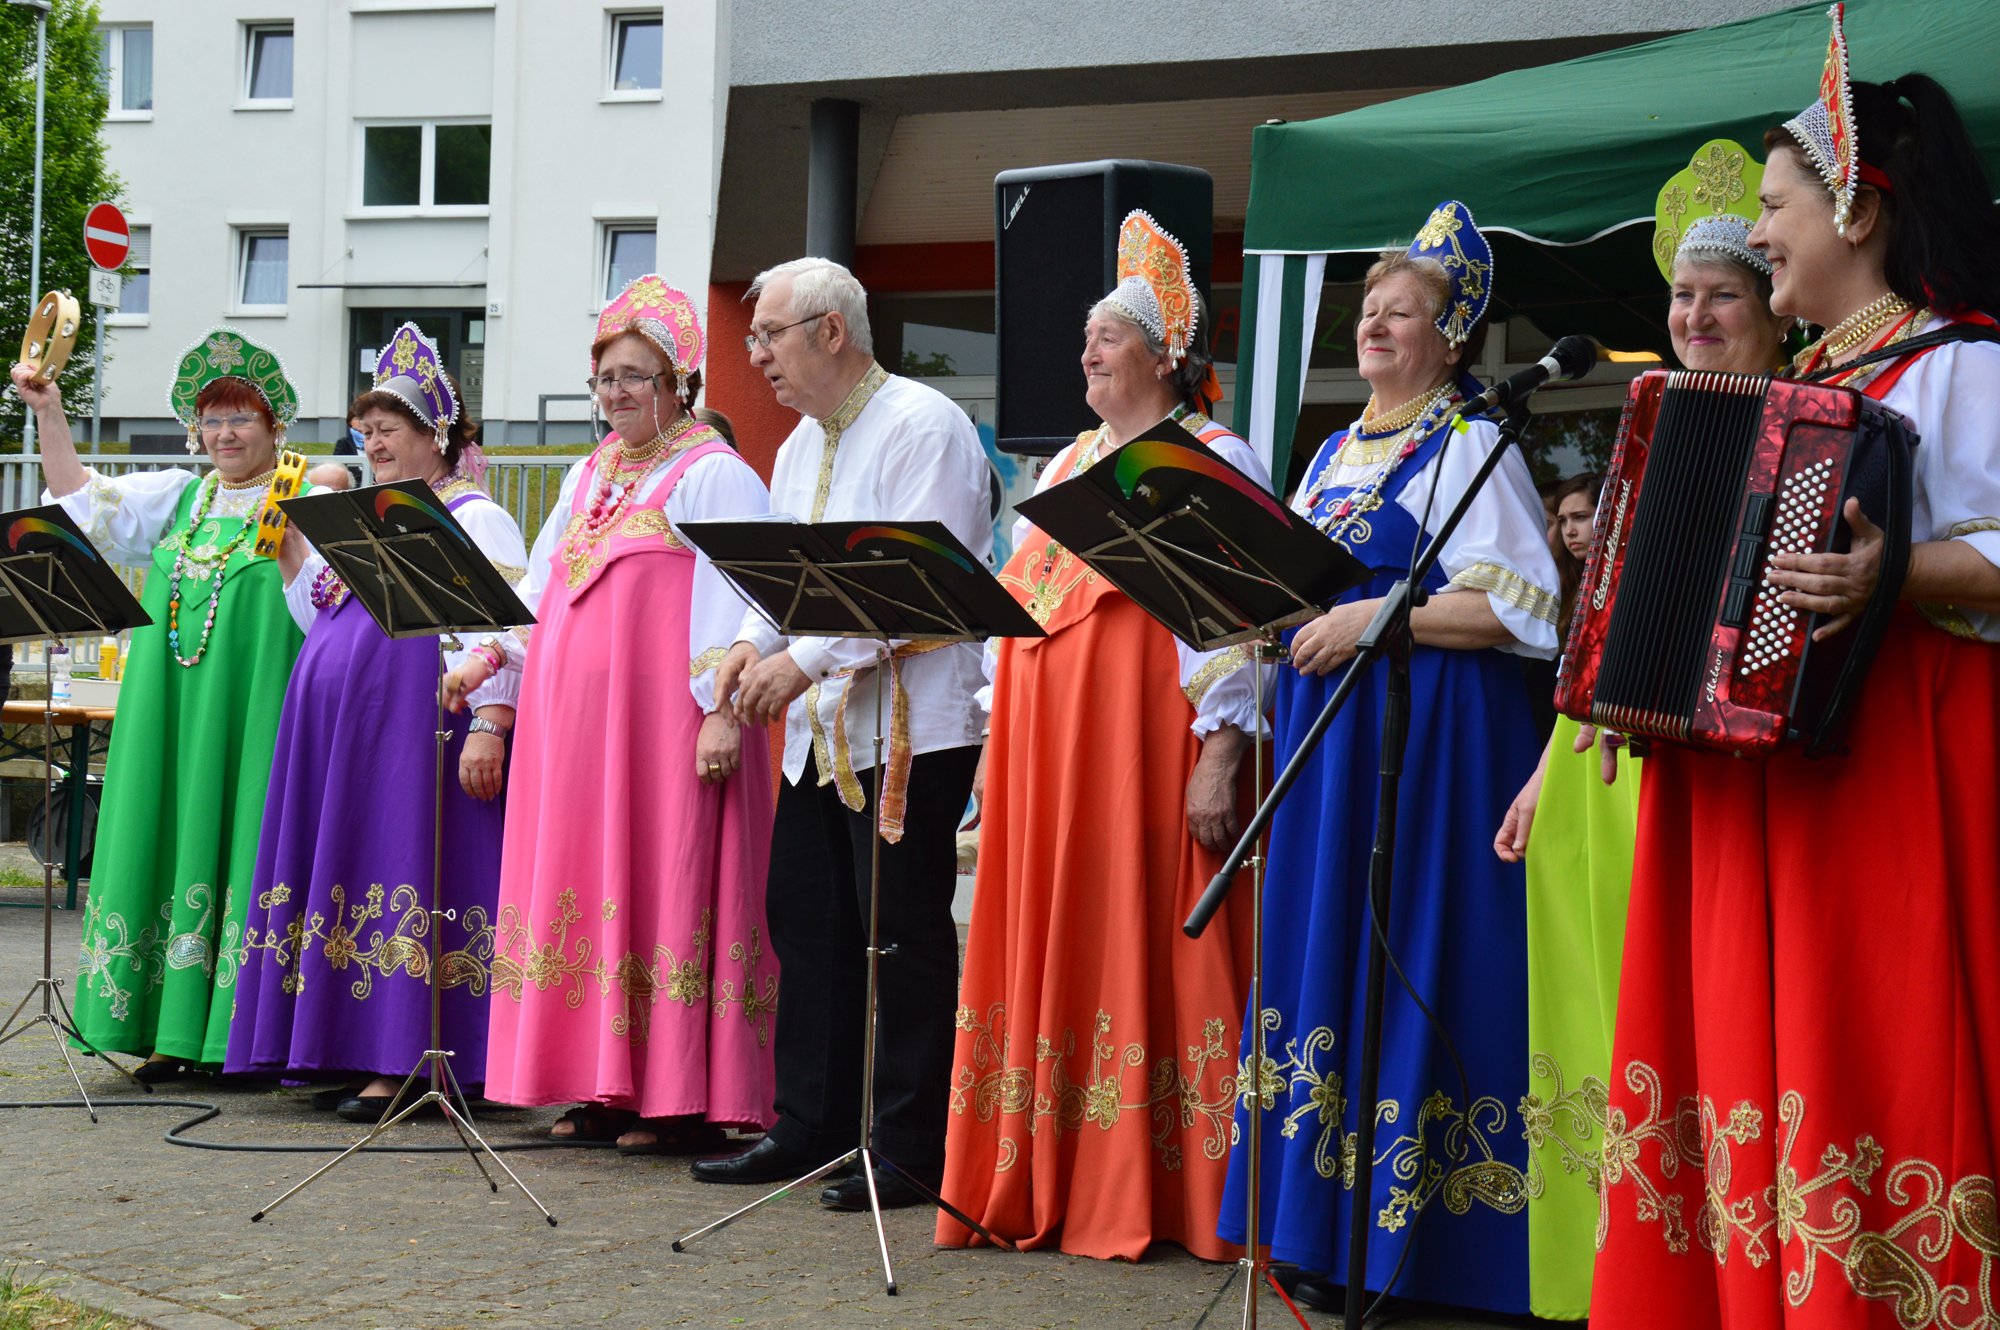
<point>632,971</point>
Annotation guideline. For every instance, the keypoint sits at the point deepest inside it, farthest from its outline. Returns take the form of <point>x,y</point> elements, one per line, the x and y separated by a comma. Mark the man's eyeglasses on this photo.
<point>214,424</point>
<point>629,381</point>
<point>770,335</point>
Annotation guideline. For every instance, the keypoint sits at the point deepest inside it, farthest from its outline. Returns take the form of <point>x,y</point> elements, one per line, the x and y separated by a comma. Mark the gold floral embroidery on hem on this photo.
<point>110,946</point>
<point>759,1004</point>
<point>1572,1121</point>
<point>1819,1210</point>
<point>1174,1092</point>
<point>1511,587</point>
<point>1457,1165</point>
<point>405,946</point>
<point>565,964</point>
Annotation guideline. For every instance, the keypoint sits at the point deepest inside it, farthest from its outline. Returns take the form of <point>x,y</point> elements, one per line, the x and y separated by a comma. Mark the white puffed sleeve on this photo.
<point>125,517</point>
<point>498,536</point>
<point>298,591</point>
<point>1218,684</point>
<point>716,488</point>
<point>1502,546</point>
<point>989,662</point>
<point>540,558</point>
<point>1952,397</point>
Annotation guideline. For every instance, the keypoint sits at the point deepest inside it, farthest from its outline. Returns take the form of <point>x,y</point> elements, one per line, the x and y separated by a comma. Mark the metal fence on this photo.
<point>524,486</point>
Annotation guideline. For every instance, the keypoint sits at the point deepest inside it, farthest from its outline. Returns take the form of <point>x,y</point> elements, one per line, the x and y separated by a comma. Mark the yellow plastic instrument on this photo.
<point>51,333</point>
<point>271,518</point>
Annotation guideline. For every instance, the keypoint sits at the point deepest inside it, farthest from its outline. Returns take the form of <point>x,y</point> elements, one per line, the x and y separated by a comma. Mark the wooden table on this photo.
<point>75,777</point>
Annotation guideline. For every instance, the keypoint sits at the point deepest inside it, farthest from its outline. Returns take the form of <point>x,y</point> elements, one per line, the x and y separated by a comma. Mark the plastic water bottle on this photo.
<point>60,669</point>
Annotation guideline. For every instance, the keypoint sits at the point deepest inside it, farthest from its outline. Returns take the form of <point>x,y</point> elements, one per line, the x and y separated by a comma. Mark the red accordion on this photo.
<point>1676,633</point>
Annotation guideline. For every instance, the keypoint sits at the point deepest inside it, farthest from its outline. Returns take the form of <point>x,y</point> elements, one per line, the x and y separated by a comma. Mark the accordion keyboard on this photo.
<point>1777,631</point>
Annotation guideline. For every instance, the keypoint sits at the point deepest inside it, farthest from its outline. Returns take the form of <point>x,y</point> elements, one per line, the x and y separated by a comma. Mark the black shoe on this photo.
<point>375,1107</point>
<point>766,1161</point>
<point>1320,1293</point>
<point>161,1072</point>
<point>892,1189</point>
<point>328,1101</point>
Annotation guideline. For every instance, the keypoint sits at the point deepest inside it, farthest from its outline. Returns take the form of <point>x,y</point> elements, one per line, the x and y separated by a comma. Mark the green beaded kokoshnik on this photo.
<point>224,353</point>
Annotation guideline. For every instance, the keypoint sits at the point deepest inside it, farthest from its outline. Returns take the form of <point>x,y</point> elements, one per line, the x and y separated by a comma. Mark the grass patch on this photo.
<point>11,876</point>
<point>26,1303</point>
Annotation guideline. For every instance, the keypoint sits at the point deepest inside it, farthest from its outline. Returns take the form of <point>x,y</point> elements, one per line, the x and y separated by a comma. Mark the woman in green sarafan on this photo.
<point>198,709</point>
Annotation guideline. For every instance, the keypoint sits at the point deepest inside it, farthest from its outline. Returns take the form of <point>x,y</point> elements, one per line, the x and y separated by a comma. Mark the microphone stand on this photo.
<point>1387,637</point>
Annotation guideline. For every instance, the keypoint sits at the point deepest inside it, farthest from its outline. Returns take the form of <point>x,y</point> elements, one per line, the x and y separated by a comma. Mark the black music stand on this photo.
<point>1202,548</point>
<point>410,564</point>
<point>892,581</point>
<point>54,584</point>
<point>1386,637</point>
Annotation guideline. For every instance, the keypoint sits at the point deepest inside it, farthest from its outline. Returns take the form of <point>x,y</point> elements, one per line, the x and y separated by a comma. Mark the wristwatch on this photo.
<point>485,726</point>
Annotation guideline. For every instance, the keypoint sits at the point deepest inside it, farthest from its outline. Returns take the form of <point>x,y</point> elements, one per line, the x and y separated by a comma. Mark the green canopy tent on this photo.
<point>1561,166</point>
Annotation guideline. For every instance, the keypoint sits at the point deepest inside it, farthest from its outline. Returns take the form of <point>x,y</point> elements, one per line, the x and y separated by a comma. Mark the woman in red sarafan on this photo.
<point>1805,1099</point>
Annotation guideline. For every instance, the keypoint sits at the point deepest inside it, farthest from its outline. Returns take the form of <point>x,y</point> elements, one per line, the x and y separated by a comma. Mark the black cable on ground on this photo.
<point>174,1137</point>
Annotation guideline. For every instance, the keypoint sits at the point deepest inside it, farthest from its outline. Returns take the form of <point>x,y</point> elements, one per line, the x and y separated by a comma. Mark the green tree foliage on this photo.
<point>74,177</point>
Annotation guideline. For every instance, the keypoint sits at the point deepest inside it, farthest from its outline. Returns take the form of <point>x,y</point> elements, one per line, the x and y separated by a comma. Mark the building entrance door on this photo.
<point>460,335</point>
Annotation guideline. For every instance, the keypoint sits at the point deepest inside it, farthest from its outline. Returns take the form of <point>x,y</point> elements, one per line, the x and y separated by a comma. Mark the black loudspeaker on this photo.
<point>1055,254</point>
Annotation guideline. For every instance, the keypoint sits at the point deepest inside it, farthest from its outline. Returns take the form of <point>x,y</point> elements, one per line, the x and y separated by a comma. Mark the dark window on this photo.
<point>270,64</point>
<point>137,297</point>
<point>392,166</point>
<point>630,253</point>
<point>464,164</point>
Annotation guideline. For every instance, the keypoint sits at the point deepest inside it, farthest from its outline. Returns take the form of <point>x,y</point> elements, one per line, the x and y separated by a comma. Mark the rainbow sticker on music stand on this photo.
<point>908,537</point>
<point>39,526</point>
<point>1137,458</point>
<point>388,499</point>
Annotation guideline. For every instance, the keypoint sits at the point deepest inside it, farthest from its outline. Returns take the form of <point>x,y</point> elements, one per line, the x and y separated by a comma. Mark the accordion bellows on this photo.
<point>1676,632</point>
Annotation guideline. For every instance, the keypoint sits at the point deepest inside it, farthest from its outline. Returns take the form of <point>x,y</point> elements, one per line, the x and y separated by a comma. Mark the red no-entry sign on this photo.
<point>106,236</point>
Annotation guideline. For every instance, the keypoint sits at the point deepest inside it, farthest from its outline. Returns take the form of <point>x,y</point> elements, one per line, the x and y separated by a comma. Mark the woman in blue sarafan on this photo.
<point>1457,919</point>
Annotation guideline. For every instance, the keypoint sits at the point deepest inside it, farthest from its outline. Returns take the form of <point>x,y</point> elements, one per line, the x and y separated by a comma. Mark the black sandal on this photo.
<point>595,1122</point>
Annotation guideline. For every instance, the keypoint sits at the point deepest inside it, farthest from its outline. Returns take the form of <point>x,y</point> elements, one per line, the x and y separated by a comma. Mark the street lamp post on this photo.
<point>41,8</point>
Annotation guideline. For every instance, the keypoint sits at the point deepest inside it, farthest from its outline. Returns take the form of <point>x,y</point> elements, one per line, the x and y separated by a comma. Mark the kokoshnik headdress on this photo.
<point>1826,129</point>
<point>1710,208</point>
<point>664,316</point>
<point>409,370</point>
<point>1451,240</point>
<point>1153,288</point>
<point>224,353</point>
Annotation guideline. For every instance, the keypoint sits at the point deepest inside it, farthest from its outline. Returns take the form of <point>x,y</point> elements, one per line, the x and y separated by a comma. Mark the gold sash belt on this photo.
<point>896,780</point>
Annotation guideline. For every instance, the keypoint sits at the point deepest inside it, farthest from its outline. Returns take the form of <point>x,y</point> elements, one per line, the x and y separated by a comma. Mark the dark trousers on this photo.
<point>817,901</point>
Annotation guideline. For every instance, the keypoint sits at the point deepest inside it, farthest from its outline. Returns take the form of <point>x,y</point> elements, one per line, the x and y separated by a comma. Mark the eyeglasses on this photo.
<point>214,424</point>
<point>629,381</point>
<point>765,338</point>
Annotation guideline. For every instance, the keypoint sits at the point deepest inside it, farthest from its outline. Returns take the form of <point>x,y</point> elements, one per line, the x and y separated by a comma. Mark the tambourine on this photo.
<point>51,333</point>
<point>271,518</point>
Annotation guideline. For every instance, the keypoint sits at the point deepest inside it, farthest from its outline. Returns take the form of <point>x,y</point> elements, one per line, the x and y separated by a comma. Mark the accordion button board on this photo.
<point>1678,632</point>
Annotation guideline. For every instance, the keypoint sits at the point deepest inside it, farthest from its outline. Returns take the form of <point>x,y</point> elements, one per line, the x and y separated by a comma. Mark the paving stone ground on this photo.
<point>400,1240</point>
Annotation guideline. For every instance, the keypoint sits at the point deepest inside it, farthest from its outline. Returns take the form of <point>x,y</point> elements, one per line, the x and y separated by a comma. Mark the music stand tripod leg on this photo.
<point>69,1028</point>
<point>435,1063</point>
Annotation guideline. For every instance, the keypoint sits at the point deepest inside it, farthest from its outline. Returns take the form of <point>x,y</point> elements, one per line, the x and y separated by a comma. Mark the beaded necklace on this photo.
<point>1853,330</point>
<point>1365,496</point>
<point>604,512</point>
<point>1901,325</point>
<point>207,556</point>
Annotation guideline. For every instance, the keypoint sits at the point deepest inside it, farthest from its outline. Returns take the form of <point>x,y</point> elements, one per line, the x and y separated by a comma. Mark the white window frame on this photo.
<point>426,171</point>
<point>251,27</point>
<point>138,222</point>
<point>241,236</point>
<point>614,22</point>
<point>115,71</point>
<point>606,229</point>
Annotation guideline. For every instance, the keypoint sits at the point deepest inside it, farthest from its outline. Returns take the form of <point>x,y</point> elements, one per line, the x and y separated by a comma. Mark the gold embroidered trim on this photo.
<point>105,500</point>
<point>1444,1169</point>
<point>1224,664</point>
<point>641,982</point>
<point>456,489</point>
<point>836,424</point>
<point>1062,573</point>
<point>1817,1208</point>
<point>1976,524</point>
<point>1511,587</point>
<point>1174,1092</point>
<point>1949,618</point>
<point>651,522</point>
<point>512,572</point>
<point>403,948</point>
<point>710,659</point>
<point>1571,1121</point>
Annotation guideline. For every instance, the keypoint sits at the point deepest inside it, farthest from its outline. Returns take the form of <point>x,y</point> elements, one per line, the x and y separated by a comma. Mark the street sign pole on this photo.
<point>107,238</point>
<point>35,245</point>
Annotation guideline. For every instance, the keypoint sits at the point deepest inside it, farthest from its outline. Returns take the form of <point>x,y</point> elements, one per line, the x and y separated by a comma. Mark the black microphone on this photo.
<point>1571,358</point>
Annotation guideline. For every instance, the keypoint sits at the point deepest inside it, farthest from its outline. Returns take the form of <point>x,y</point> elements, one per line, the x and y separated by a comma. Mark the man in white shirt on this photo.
<point>871,446</point>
